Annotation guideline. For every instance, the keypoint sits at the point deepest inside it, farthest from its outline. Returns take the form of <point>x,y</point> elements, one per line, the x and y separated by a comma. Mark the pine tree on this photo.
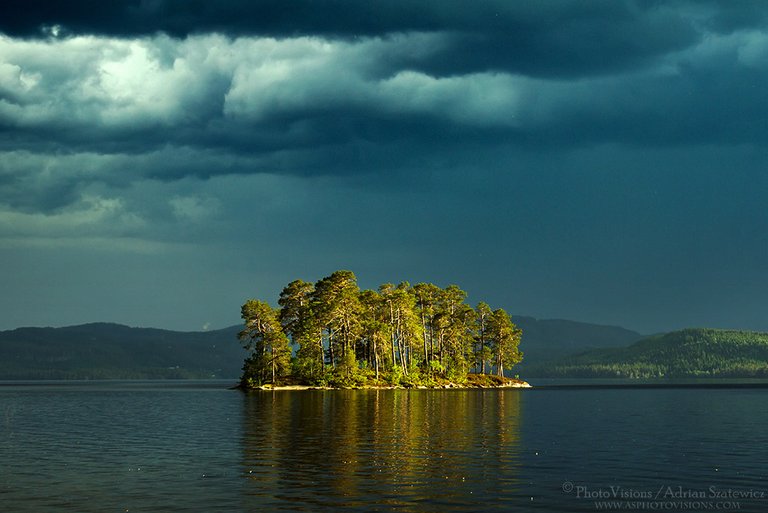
<point>336,304</point>
<point>505,341</point>
<point>299,321</point>
<point>263,336</point>
<point>482,350</point>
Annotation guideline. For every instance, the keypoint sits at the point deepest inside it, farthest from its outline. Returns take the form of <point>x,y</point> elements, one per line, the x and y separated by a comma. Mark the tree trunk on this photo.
<point>401,348</point>
<point>431,344</point>
<point>424,331</point>
<point>274,367</point>
<point>393,336</point>
<point>375,358</point>
<point>322,351</point>
<point>330,349</point>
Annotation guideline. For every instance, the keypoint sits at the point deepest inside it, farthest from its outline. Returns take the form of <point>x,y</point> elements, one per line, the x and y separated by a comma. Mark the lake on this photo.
<point>197,446</point>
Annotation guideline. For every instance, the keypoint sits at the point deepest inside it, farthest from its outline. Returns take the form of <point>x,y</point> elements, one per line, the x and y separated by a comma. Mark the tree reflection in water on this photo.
<point>409,450</point>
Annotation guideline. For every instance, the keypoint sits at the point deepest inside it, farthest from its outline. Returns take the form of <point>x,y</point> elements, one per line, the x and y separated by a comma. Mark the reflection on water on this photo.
<point>382,449</point>
<point>148,447</point>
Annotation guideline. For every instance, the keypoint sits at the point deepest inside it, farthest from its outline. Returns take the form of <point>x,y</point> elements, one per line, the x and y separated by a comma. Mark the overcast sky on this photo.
<point>161,161</point>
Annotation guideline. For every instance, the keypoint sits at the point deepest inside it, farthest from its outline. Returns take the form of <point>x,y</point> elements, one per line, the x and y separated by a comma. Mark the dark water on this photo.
<point>196,446</point>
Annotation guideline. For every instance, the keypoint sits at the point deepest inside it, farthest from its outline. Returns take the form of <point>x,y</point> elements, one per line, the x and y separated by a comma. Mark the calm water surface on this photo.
<point>197,446</point>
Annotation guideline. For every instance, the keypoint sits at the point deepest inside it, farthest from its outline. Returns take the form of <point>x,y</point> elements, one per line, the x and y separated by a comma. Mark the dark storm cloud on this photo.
<point>547,38</point>
<point>730,16</point>
<point>598,160</point>
<point>348,89</point>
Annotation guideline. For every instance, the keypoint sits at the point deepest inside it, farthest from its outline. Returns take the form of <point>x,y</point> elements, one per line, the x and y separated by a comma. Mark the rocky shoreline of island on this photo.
<point>474,381</point>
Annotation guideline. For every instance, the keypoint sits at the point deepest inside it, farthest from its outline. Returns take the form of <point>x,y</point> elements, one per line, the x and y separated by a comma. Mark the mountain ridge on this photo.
<point>548,339</point>
<point>108,350</point>
<point>114,351</point>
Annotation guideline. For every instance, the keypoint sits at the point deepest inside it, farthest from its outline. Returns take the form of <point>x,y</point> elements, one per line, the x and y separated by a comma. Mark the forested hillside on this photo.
<point>113,351</point>
<point>686,353</point>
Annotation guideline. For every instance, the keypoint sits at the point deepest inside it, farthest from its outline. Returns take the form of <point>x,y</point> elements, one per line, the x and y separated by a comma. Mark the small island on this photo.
<point>333,335</point>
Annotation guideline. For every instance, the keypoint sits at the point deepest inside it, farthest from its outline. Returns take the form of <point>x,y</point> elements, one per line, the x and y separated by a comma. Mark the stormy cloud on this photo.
<point>592,160</point>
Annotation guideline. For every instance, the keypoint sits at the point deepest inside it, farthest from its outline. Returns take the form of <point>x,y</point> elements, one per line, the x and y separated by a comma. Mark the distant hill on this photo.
<point>686,353</point>
<point>549,339</point>
<point>113,351</point>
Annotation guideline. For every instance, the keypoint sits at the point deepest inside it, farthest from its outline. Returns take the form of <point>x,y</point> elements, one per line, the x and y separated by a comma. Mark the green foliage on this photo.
<point>395,376</point>
<point>401,335</point>
<point>436,369</point>
<point>263,336</point>
<point>457,373</point>
<point>505,340</point>
<point>299,322</point>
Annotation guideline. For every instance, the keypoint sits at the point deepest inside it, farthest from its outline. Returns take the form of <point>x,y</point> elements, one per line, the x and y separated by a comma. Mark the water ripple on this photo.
<point>157,447</point>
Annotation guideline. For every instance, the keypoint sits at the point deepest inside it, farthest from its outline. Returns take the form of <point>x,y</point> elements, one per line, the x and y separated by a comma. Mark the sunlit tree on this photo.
<point>505,341</point>
<point>263,336</point>
<point>336,304</point>
<point>299,322</point>
<point>482,350</point>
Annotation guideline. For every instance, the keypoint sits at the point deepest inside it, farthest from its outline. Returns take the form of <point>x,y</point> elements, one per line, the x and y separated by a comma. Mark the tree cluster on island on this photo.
<point>398,335</point>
